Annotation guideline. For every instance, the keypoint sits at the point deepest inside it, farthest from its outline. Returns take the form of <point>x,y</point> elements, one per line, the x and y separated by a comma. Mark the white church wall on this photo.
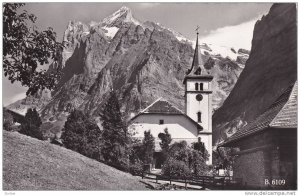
<point>193,107</point>
<point>190,84</point>
<point>207,140</point>
<point>178,126</point>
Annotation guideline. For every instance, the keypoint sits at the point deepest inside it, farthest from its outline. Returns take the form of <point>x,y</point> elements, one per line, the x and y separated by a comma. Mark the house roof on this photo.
<point>287,117</point>
<point>281,114</point>
<point>161,106</point>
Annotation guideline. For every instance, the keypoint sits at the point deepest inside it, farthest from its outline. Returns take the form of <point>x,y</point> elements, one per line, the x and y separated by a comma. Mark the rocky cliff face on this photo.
<point>140,61</point>
<point>270,69</point>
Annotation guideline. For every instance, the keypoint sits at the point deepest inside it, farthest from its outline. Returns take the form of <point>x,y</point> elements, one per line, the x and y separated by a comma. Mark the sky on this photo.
<point>227,24</point>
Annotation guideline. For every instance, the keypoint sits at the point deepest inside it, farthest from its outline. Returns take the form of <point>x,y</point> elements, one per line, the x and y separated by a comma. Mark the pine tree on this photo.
<point>166,140</point>
<point>148,147</point>
<point>31,124</point>
<point>82,135</point>
<point>73,131</point>
<point>116,140</point>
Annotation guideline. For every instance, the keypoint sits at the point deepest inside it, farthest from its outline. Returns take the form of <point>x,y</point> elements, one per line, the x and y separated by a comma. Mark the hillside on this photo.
<point>269,71</point>
<point>31,164</point>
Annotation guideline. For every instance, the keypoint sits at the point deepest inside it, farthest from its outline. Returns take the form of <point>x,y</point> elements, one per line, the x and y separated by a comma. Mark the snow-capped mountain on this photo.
<point>142,61</point>
<point>123,15</point>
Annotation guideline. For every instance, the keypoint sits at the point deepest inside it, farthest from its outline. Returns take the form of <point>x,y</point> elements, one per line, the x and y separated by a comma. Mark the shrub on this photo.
<point>183,160</point>
<point>175,168</point>
<point>31,125</point>
<point>198,164</point>
<point>8,121</point>
<point>136,168</point>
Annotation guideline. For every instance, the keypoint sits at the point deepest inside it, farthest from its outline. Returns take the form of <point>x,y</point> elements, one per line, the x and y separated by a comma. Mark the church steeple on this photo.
<point>197,65</point>
<point>198,98</point>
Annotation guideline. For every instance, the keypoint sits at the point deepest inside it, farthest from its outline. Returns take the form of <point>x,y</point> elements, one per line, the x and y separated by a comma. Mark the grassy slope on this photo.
<point>30,164</point>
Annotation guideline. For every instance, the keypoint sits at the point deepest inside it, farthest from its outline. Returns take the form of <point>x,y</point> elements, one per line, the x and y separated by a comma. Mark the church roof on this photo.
<point>197,64</point>
<point>281,114</point>
<point>197,70</point>
<point>161,106</point>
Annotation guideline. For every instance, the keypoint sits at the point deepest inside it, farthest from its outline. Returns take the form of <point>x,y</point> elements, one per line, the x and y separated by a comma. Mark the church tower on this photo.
<point>198,99</point>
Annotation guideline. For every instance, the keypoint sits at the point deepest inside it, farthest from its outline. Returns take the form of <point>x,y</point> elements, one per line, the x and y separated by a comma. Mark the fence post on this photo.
<point>170,179</point>
<point>185,182</point>
<point>156,179</point>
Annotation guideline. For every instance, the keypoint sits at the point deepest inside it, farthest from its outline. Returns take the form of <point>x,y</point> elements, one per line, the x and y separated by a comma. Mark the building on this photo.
<point>161,115</point>
<point>198,98</point>
<point>267,147</point>
<point>192,125</point>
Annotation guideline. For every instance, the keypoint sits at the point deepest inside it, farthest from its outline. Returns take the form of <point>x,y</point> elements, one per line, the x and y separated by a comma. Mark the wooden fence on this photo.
<point>211,182</point>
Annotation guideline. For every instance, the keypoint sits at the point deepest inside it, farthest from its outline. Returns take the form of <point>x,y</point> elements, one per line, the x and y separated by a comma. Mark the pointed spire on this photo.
<point>197,65</point>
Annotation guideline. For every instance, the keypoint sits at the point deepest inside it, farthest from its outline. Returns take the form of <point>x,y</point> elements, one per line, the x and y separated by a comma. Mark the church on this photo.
<point>192,125</point>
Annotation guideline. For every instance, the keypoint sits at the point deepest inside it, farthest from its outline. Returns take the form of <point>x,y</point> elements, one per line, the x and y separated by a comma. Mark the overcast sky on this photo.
<point>229,24</point>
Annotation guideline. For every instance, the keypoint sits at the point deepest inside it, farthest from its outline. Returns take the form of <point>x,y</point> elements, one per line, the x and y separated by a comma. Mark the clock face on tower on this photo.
<point>199,97</point>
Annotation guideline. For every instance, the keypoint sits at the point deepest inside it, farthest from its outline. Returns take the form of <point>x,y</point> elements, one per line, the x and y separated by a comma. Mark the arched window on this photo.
<point>201,86</point>
<point>198,71</point>
<point>199,116</point>
<point>196,86</point>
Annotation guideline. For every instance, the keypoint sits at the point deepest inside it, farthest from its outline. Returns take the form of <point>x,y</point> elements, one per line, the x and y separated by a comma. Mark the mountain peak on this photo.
<point>123,15</point>
<point>124,8</point>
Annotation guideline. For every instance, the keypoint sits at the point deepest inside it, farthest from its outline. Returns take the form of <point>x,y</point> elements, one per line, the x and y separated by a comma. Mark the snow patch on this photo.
<point>178,36</point>
<point>20,110</point>
<point>110,31</point>
<point>241,65</point>
<point>93,23</point>
<point>223,51</point>
<point>121,12</point>
<point>181,38</point>
<point>114,16</point>
<point>136,22</point>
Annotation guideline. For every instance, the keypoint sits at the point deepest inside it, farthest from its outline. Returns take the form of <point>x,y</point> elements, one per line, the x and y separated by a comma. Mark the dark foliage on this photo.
<point>116,139</point>
<point>176,168</point>
<point>223,159</point>
<point>31,125</point>
<point>148,147</point>
<point>200,147</point>
<point>198,164</point>
<point>166,140</point>
<point>82,135</point>
<point>8,121</point>
<point>136,168</point>
<point>25,49</point>
<point>184,161</point>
